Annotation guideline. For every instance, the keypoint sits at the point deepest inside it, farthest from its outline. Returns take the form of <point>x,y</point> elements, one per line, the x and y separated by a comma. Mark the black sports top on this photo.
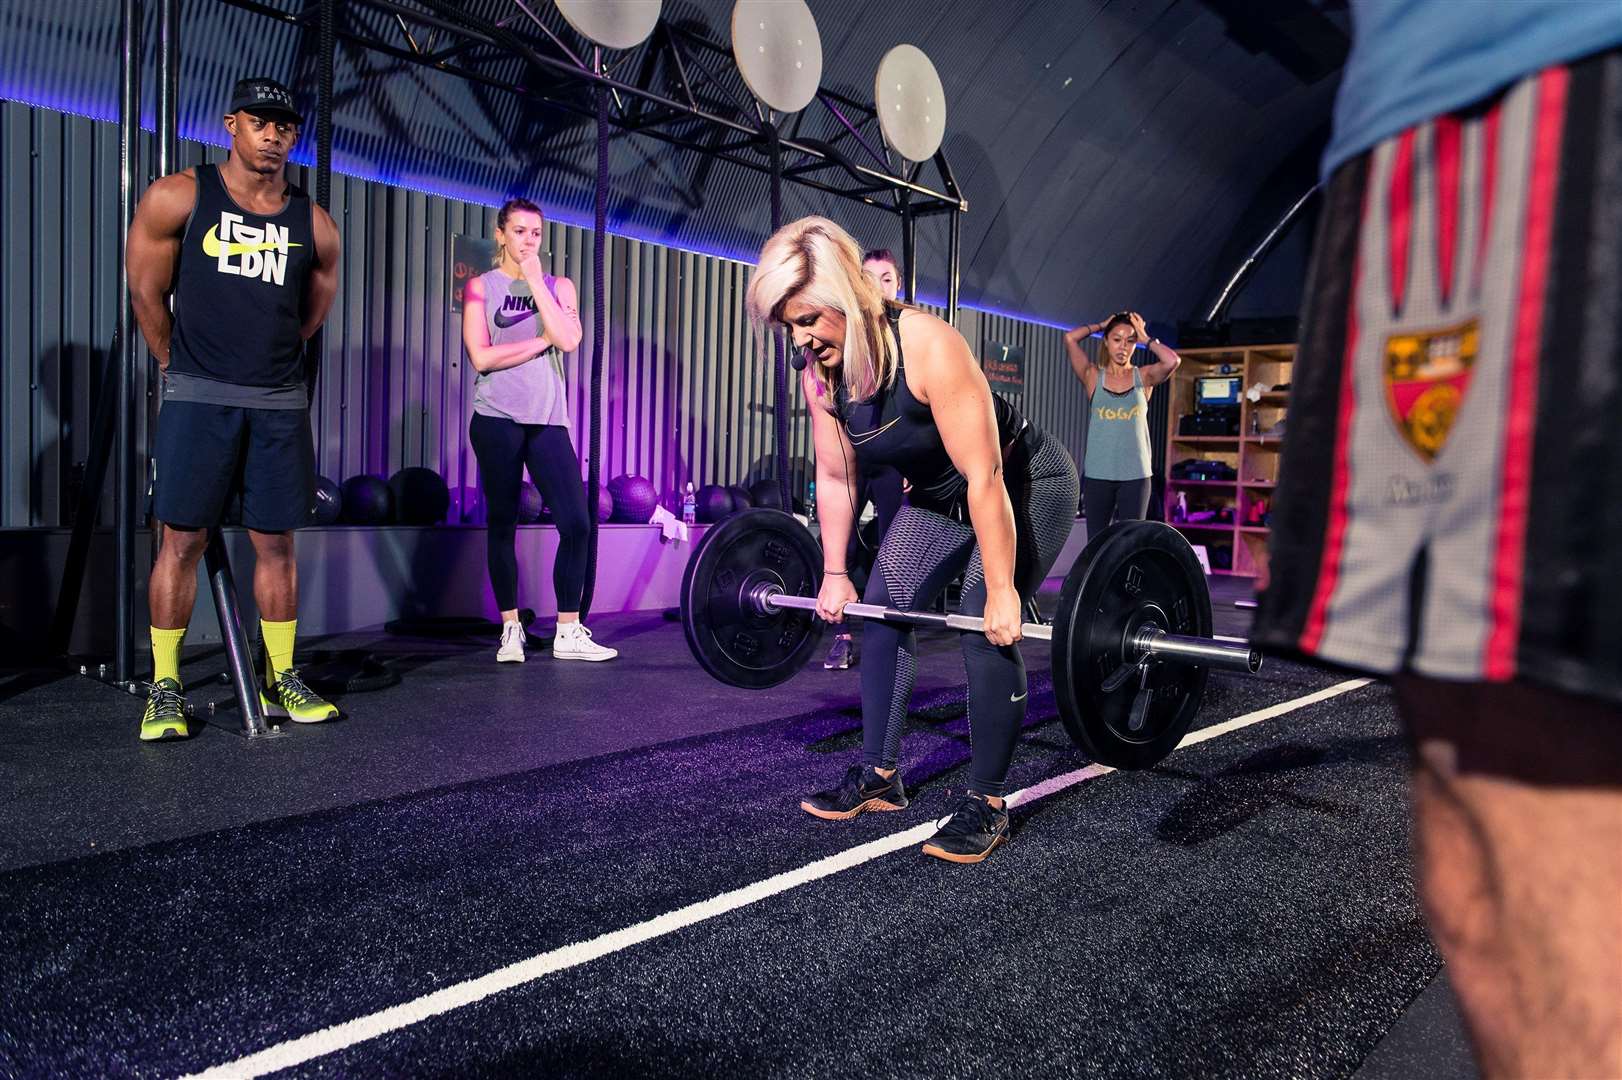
<point>896,429</point>
<point>239,288</point>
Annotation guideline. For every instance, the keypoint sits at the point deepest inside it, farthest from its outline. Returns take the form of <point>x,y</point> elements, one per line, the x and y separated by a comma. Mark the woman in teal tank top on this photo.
<point>1117,466</point>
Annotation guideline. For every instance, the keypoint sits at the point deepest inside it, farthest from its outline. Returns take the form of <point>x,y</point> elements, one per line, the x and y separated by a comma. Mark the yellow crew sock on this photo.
<point>166,653</point>
<point>278,647</point>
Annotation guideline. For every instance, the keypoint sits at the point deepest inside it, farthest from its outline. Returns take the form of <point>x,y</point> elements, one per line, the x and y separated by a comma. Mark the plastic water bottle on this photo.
<point>689,505</point>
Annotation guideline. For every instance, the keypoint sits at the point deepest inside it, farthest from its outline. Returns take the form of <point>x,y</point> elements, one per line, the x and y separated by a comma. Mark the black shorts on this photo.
<point>1450,496</point>
<point>208,459</point>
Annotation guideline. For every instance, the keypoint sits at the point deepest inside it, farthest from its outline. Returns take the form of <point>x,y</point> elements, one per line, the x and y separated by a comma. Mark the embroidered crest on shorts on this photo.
<point>1426,376</point>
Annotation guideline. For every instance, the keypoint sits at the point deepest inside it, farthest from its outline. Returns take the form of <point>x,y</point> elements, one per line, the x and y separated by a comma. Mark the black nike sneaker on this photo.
<point>972,832</point>
<point>861,789</point>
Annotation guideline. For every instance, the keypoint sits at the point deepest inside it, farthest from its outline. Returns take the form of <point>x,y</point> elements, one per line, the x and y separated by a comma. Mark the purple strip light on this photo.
<point>304,154</point>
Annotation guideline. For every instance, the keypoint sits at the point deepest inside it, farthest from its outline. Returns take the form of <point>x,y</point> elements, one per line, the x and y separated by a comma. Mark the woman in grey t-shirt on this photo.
<point>1117,463</point>
<point>517,321</point>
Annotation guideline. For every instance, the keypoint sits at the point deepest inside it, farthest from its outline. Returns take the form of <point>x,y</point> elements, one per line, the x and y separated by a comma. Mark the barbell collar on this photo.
<point>1198,650</point>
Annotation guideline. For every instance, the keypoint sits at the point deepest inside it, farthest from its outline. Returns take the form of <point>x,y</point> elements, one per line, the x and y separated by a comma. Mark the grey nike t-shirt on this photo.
<point>533,392</point>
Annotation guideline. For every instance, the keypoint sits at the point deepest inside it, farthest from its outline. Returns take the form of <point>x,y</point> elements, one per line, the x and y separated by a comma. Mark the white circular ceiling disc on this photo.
<point>778,51</point>
<point>613,24</point>
<point>911,102</point>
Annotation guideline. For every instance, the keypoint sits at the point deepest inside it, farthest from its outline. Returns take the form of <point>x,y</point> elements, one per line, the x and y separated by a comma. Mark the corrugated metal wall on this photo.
<point>1053,400</point>
<point>687,393</point>
<point>58,262</point>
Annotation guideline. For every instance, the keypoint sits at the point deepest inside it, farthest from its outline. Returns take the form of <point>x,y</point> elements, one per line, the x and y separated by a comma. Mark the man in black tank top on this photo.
<point>251,265</point>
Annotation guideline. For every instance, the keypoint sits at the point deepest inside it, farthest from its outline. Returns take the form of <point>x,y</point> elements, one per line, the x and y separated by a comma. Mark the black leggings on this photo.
<point>1106,501</point>
<point>925,550</point>
<point>504,447</point>
<point>882,485</point>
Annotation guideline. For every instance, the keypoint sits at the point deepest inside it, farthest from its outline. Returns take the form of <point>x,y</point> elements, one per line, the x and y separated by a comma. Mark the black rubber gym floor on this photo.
<point>1244,910</point>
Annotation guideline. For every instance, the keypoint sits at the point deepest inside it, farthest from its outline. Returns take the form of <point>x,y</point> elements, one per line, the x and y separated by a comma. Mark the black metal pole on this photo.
<point>599,337</point>
<point>780,414</point>
<point>168,85</point>
<point>909,250</point>
<point>238,649</point>
<point>125,479</point>
<point>326,47</point>
<point>954,255</point>
<point>102,430</point>
<point>1230,290</point>
<point>168,147</point>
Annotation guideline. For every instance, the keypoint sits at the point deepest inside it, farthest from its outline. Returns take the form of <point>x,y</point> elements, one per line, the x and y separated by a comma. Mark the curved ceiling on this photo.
<point>1108,151</point>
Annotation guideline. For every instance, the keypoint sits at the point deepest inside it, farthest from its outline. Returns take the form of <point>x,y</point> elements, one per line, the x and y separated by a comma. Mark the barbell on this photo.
<point>1131,639</point>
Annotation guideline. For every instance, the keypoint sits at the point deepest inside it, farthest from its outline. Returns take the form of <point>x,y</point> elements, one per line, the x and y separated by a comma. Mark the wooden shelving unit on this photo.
<point>1253,456</point>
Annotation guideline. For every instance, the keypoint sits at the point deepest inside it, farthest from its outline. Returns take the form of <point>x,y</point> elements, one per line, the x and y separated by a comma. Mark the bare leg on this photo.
<point>172,587</point>
<point>275,576</point>
<point>563,616</point>
<point>1518,831</point>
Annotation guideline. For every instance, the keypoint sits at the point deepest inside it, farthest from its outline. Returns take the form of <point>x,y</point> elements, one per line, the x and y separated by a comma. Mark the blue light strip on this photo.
<point>304,154</point>
<point>19,97</point>
<point>940,301</point>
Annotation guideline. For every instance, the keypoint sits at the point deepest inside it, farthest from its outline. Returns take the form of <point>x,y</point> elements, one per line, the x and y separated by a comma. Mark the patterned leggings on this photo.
<point>921,553</point>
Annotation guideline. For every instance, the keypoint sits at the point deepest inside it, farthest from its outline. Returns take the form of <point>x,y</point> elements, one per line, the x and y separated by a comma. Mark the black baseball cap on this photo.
<point>263,97</point>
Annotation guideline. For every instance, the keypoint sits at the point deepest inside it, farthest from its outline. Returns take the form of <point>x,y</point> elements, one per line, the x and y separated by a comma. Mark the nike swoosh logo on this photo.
<point>1021,697</point>
<point>214,249</point>
<point>865,436</point>
<point>503,320</point>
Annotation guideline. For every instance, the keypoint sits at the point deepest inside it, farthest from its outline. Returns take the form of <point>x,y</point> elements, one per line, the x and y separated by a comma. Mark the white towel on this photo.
<point>671,527</point>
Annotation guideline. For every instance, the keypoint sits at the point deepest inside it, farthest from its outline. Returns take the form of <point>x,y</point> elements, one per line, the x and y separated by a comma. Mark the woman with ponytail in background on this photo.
<point>517,322</point>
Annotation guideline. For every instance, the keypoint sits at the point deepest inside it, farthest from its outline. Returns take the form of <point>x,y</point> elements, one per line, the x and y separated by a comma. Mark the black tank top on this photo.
<point>896,429</point>
<point>239,288</point>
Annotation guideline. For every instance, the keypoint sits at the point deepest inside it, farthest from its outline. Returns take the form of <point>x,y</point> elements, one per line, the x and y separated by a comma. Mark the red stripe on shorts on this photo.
<point>1515,482</point>
<point>1489,183</point>
<point>1340,476</point>
<point>1447,133</point>
<point>1400,215</point>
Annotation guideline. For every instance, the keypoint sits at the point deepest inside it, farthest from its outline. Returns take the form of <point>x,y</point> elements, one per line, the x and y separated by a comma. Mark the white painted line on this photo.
<point>1059,783</point>
<point>1026,796</point>
<point>342,1036</point>
<point>1217,730</point>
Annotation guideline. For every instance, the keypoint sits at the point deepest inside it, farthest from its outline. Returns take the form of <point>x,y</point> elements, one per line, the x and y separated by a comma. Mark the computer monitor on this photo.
<point>1212,390</point>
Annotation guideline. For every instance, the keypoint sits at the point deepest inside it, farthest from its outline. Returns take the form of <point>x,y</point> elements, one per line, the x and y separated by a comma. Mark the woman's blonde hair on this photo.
<point>816,260</point>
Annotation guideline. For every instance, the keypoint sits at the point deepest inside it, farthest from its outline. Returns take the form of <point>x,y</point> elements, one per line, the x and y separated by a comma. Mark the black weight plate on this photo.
<point>734,643</point>
<point>1131,573</point>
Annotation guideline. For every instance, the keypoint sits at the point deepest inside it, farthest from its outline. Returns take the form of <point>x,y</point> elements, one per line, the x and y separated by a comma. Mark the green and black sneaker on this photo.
<point>289,697</point>
<point>165,715</point>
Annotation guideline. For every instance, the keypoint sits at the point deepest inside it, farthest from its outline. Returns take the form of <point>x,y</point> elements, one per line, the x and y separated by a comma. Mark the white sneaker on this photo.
<point>573,642</point>
<point>512,644</point>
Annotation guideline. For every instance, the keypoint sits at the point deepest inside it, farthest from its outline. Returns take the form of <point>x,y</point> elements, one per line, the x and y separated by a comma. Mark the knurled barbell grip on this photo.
<point>773,598</point>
